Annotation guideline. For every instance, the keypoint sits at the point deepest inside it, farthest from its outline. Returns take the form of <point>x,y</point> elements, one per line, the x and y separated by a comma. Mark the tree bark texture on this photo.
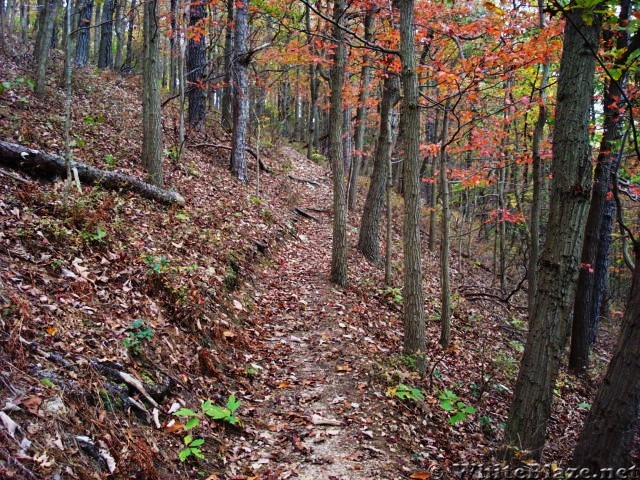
<point>368,238</point>
<point>105,57</point>
<point>414,327</point>
<point>559,261</point>
<point>339,239</point>
<point>227,91</point>
<point>590,284</point>
<point>608,435</point>
<point>196,62</point>
<point>46,23</point>
<point>84,24</point>
<point>151,112</point>
<point>240,63</point>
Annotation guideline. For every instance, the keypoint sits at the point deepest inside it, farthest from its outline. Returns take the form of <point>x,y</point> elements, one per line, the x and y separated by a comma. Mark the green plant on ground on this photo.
<point>94,236</point>
<point>156,264</point>
<point>458,410</point>
<point>138,335</point>
<point>404,392</point>
<point>192,420</point>
<point>191,448</point>
<point>393,294</point>
<point>110,160</point>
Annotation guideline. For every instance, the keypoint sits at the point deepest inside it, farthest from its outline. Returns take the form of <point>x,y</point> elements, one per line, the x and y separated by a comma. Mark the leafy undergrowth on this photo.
<point>206,342</point>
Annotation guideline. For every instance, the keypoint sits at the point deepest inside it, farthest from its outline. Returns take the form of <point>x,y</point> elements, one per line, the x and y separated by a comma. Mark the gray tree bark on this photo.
<point>414,327</point>
<point>105,57</point>
<point>368,238</point>
<point>46,22</point>
<point>84,24</point>
<point>151,112</point>
<point>240,63</point>
<point>339,239</point>
<point>228,89</point>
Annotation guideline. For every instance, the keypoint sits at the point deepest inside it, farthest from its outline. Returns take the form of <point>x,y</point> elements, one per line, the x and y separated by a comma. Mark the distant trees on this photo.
<point>46,24</point>
<point>105,56</point>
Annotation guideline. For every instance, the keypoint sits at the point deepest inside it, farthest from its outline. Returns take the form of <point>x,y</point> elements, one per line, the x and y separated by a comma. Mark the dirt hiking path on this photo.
<point>313,405</point>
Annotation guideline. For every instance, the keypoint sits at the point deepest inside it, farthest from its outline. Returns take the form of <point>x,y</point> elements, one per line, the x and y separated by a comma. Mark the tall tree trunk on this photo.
<point>368,242</point>
<point>607,439</point>
<point>339,240</point>
<point>559,262</point>
<point>240,63</point>
<point>121,6</point>
<point>196,62</point>
<point>445,280</point>
<point>536,173</point>
<point>314,86</point>
<point>126,68</point>
<point>95,31</point>
<point>228,89</point>
<point>43,43</point>
<point>584,313</point>
<point>414,327</point>
<point>84,24</point>
<point>174,41</point>
<point>105,58</point>
<point>151,113</point>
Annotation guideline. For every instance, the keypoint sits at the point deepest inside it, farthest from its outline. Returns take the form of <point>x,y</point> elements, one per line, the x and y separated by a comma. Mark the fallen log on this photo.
<point>304,180</point>
<point>42,164</point>
<point>305,214</point>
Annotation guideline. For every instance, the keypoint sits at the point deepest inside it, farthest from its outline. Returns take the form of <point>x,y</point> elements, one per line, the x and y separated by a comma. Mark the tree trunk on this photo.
<point>126,68</point>
<point>445,280</point>
<point>95,31</point>
<point>339,240</point>
<point>46,22</point>
<point>196,62</point>
<point>559,261</point>
<point>119,23</point>
<point>84,24</point>
<point>105,59</point>
<point>241,59</point>
<point>414,327</point>
<point>368,241</point>
<point>584,313</point>
<point>607,439</point>
<point>228,89</point>
<point>151,112</point>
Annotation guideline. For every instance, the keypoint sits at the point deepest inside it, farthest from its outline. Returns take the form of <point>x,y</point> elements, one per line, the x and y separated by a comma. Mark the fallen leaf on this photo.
<point>343,368</point>
<point>421,476</point>
<point>9,424</point>
<point>319,420</point>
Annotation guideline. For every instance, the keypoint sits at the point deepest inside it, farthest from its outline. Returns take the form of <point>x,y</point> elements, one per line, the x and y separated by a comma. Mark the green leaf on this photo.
<point>197,452</point>
<point>584,405</point>
<point>468,410</point>
<point>185,412</point>
<point>458,417</point>
<point>217,412</point>
<point>197,442</point>
<point>233,403</point>
<point>184,454</point>
<point>192,423</point>
<point>188,439</point>
<point>447,405</point>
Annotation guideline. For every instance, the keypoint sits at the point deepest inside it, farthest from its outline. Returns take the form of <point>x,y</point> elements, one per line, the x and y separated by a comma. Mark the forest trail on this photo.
<point>313,422</point>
